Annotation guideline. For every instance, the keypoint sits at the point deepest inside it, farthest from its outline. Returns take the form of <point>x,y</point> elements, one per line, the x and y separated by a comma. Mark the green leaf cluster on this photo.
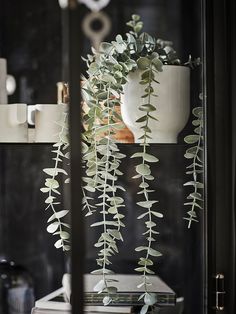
<point>102,159</point>
<point>107,73</point>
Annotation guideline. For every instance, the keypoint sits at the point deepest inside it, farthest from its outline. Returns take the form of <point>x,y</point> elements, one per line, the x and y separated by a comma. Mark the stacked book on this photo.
<point>125,301</point>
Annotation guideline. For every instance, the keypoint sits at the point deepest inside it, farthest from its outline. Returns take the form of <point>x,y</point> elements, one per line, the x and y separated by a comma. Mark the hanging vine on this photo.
<point>149,69</point>
<point>52,187</point>
<point>102,170</point>
<point>195,169</point>
<point>107,73</point>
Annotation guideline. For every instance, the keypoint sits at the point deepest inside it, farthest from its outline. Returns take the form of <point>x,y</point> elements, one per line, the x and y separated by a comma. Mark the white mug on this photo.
<point>13,123</point>
<point>45,118</point>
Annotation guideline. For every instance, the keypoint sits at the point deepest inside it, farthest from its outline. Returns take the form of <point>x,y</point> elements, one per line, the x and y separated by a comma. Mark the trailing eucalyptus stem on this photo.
<point>51,188</point>
<point>102,173</point>
<point>108,72</point>
<point>149,68</point>
<point>195,169</point>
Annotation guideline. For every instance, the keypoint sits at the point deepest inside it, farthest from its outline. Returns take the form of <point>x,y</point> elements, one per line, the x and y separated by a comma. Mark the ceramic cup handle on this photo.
<point>31,114</point>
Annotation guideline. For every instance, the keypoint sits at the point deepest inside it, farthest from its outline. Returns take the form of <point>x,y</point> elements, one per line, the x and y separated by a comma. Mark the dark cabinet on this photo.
<point>44,45</point>
<point>206,28</point>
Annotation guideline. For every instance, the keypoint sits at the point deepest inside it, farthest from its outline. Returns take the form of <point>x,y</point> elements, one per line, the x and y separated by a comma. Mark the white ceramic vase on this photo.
<point>13,123</point>
<point>172,103</point>
<point>45,118</point>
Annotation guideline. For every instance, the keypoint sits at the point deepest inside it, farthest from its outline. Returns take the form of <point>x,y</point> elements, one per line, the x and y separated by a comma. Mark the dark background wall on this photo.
<point>33,38</point>
<point>30,40</point>
<point>23,235</point>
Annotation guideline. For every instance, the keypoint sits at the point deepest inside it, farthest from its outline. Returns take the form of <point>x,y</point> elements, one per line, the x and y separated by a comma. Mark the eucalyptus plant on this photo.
<point>60,153</point>
<point>107,73</point>
<point>108,70</point>
<point>195,170</point>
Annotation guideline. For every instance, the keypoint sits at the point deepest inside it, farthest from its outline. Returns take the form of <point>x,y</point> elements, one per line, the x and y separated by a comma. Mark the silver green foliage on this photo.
<point>150,67</point>
<point>56,225</point>
<point>104,181</point>
<point>102,160</point>
<point>107,73</point>
<point>195,170</point>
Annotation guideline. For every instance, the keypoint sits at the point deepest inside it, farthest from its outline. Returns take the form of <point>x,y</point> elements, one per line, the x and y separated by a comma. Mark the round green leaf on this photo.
<point>107,300</point>
<point>99,286</point>
<point>141,248</point>
<point>144,309</point>
<point>153,252</point>
<point>146,204</point>
<point>191,139</point>
<point>64,235</point>
<point>53,227</point>
<point>150,158</point>
<point>143,169</point>
<point>52,183</point>
<point>198,111</point>
<point>158,64</point>
<point>150,298</point>
<point>58,244</point>
<point>143,63</point>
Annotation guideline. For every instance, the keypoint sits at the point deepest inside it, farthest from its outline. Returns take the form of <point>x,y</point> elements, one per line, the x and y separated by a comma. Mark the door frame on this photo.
<point>220,81</point>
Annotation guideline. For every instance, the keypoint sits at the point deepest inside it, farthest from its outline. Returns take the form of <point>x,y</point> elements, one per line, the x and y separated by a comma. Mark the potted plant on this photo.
<point>172,86</point>
<point>115,72</point>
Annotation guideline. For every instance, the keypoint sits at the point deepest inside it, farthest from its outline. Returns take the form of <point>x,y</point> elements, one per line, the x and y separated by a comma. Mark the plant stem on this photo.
<point>54,175</point>
<point>104,192</point>
<point>145,191</point>
<point>195,175</point>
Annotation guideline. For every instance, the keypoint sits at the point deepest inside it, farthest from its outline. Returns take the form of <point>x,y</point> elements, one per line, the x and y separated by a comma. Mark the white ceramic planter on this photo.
<point>172,103</point>
<point>45,118</point>
<point>3,77</point>
<point>13,123</point>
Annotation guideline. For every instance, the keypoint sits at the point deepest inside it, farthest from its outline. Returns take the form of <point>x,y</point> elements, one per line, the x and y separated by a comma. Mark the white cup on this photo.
<point>13,123</point>
<point>45,118</point>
